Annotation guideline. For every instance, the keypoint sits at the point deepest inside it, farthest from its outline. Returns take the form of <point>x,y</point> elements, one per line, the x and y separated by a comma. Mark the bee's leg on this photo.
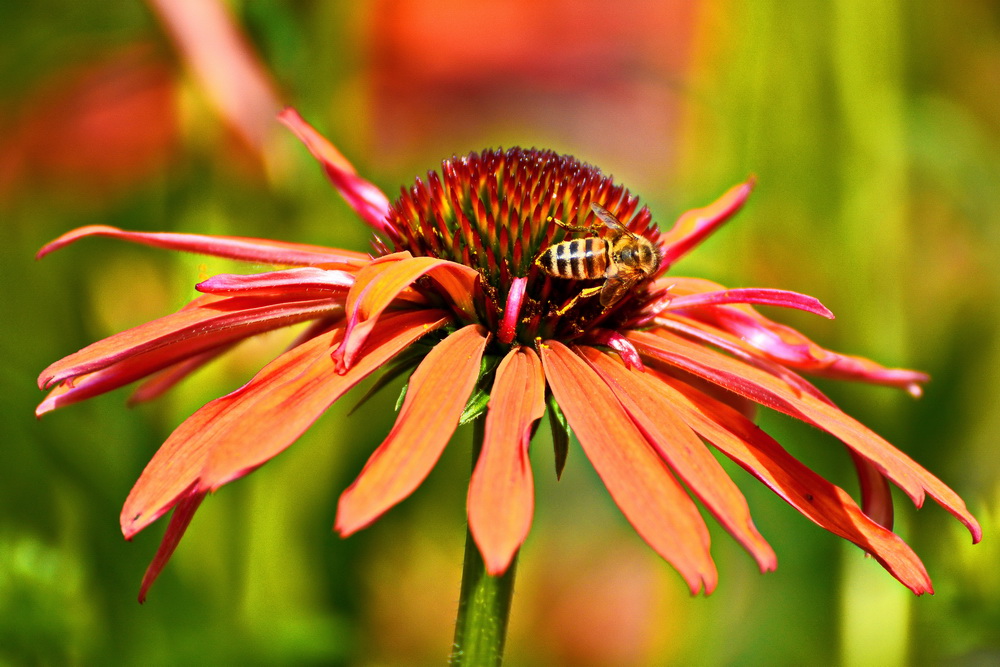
<point>583,294</point>
<point>564,225</point>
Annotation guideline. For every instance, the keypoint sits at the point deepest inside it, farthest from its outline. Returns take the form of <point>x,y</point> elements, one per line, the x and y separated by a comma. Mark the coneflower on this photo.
<point>487,286</point>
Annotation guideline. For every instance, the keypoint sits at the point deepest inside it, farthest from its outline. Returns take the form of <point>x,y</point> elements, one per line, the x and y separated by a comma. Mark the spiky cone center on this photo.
<point>495,211</point>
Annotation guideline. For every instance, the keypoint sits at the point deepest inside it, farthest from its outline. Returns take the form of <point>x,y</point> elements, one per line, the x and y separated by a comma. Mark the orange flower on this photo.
<point>644,381</point>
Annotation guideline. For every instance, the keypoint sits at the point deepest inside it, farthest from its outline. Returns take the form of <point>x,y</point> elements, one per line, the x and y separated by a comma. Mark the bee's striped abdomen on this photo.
<point>588,257</point>
<point>580,259</point>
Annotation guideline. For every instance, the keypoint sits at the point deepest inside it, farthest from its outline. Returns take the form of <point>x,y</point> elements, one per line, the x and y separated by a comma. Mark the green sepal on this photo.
<point>560,433</point>
<point>402,395</point>
<point>480,398</point>
<point>475,407</point>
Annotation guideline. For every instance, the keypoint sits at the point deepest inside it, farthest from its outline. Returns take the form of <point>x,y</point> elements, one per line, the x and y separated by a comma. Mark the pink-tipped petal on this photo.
<point>787,346</point>
<point>437,393</point>
<point>179,522</point>
<point>643,398</point>
<point>125,372</point>
<point>501,497</point>
<point>236,433</point>
<point>621,345</point>
<point>306,282</point>
<point>760,296</point>
<point>695,225</point>
<point>710,336</point>
<point>366,199</point>
<point>775,393</point>
<point>202,325</point>
<point>647,493</point>
<point>231,247</point>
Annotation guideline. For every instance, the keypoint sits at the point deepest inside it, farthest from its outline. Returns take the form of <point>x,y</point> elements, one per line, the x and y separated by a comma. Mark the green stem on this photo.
<point>484,605</point>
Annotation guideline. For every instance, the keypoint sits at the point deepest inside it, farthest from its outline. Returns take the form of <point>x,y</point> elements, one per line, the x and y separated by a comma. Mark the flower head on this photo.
<point>461,292</point>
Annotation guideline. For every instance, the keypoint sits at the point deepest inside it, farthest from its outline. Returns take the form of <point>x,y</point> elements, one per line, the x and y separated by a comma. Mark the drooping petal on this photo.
<point>775,393</point>
<point>695,225</point>
<point>827,505</point>
<point>642,396</point>
<point>245,249</point>
<point>179,522</point>
<point>766,297</point>
<point>365,198</point>
<point>643,488</point>
<point>437,393</point>
<point>720,340</point>
<point>201,325</point>
<point>306,282</point>
<point>382,281</point>
<point>501,493</point>
<point>790,347</point>
<point>233,434</point>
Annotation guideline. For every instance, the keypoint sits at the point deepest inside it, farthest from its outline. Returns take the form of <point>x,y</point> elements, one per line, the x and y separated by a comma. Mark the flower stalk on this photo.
<point>484,604</point>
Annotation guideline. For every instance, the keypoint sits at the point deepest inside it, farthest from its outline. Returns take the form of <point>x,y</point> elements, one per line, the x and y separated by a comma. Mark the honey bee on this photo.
<point>623,259</point>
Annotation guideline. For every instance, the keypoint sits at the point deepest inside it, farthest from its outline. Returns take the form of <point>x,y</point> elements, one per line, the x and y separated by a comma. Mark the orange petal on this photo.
<point>291,408</point>
<point>643,488</point>
<point>438,390</point>
<point>372,298</point>
<point>827,505</point>
<point>642,396</point>
<point>777,394</point>
<point>233,434</point>
<point>501,493</point>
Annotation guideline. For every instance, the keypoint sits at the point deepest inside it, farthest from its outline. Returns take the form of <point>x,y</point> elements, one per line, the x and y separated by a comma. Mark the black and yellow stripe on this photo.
<point>580,259</point>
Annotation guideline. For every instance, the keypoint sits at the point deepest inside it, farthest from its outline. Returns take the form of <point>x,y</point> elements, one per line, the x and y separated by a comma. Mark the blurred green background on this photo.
<point>873,129</point>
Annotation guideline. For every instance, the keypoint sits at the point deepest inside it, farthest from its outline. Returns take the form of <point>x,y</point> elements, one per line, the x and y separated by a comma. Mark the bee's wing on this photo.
<point>610,220</point>
<point>617,285</point>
